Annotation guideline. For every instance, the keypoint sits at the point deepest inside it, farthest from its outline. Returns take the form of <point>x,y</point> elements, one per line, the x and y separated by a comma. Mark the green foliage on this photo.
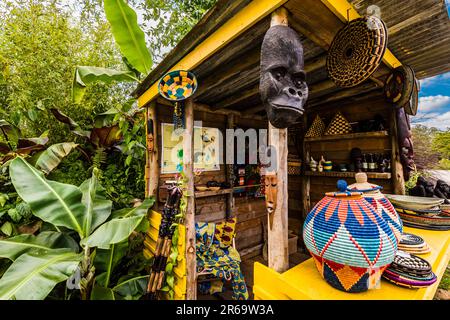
<point>167,21</point>
<point>40,44</point>
<point>85,75</point>
<point>41,262</point>
<point>441,143</point>
<point>128,34</point>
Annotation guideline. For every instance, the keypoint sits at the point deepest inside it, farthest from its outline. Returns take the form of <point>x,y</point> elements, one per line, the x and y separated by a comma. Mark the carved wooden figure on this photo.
<point>271,182</point>
<point>282,86</point>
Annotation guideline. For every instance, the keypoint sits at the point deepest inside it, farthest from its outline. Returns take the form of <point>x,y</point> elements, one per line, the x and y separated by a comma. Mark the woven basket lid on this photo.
<point>362,185</point>
<point>412,106</point>
<point>177,85</point>
<point>357,51</point>
<point>399,86</point>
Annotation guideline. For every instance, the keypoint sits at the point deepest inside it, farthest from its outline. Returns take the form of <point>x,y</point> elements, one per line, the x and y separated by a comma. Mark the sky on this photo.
<point>434,102</point>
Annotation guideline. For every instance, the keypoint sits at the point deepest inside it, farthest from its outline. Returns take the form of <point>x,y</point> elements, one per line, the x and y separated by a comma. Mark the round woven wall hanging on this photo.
<point>412,106</point>
<point>178,85</point>
<point>357,51</point>
<point>399,86</point>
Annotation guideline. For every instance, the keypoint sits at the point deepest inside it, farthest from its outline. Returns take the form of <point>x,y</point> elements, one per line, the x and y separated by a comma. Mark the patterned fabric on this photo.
<point>339,125</point>
<point>221,260</point>
<point>225,231</point>
<point>317,128</point>
<point>177,85</point>
<point>350,241</point>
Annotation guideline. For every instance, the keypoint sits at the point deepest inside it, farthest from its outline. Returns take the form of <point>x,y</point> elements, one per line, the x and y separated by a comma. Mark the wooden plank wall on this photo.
<point>250,212</point>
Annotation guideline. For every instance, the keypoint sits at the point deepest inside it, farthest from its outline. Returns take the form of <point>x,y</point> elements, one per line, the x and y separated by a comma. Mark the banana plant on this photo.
<point>87,233</point>
<point>131,41</point>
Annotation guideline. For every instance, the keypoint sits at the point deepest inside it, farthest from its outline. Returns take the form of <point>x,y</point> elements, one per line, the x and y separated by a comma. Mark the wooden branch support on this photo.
<point>278,250</point>
<point>398,179</point>
<point>189,221</point>
<point>228,171</point>
<point>152,166</point>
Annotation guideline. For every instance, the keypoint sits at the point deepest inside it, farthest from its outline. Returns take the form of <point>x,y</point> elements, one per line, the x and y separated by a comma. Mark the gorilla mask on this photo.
<point>282,85</point>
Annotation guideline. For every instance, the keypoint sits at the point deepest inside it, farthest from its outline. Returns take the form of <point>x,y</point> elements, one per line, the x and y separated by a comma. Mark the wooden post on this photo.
<point>306,180</point>
<point>398,178</point>
<point>228,171</point>
<point>189,221</point>
<point>278,250</point>
<point>152,167</point>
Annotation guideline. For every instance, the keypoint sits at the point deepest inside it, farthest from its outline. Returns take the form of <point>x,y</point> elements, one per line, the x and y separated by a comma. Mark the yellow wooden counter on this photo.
<point>305,282</point>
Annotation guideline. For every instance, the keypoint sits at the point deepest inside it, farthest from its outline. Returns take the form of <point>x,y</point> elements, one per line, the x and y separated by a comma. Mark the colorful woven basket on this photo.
<point>178,85</point>
<point>349,240</point>
<point>371,192</point>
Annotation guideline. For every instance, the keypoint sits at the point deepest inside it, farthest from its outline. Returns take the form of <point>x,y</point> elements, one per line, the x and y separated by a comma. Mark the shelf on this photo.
<point>210,193</point>
<point>358,135</point>
<point>370,175</point>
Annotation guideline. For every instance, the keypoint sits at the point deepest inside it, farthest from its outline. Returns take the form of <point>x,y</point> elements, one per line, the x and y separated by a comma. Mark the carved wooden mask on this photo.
<point>283,87</point>
<point>271,182</point>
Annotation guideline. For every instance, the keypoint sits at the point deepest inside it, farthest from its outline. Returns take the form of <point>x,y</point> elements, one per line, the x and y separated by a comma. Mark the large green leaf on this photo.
<point>131,287</point>
<point>11,131</point>
<point>33,275</point>
<point>111,232</point>
<point>52,157</point>
<point>54,202</point>
<point>98,208</point>
<point>128,34</point>
<point>102,293</point>
<point>120,227</point>
<point>106,260</point>
<point>136,211</point>
<point>14,247</point>
<point>85,75</point>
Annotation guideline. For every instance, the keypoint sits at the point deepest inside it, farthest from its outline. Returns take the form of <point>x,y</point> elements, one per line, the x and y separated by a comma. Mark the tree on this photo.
<point>425,156</point>
<point>40,44</point>
<point>441,144</point>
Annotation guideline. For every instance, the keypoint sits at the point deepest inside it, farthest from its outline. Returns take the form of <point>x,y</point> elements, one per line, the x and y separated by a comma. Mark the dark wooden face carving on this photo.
<point>282,86</point>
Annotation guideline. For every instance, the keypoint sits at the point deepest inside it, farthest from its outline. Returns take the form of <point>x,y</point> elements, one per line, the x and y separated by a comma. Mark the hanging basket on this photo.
<point>399,86</point>
<point>177,85</point>
<point>357,51</point>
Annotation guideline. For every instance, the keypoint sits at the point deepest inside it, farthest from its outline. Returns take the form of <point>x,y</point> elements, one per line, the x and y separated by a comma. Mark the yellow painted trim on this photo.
<point>342,8</point>
<point>242,21</point>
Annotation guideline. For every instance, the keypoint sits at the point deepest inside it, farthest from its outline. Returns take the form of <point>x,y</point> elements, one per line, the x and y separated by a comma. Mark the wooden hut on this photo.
<point>223,51</point>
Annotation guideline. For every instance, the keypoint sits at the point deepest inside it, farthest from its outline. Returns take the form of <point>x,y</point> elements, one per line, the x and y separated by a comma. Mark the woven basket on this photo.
<point>349,241</point>
<point>371,193</point>
<point>294,167</point>
<point>317,128</point>
<point>339,125</point>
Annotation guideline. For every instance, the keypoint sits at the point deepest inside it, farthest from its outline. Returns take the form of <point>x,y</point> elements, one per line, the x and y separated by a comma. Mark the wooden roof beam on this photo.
<point>230,30</point>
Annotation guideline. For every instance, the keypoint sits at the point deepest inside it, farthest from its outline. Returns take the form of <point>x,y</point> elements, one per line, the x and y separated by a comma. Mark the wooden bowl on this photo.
<point>214,188</point>
<point>201,188</point>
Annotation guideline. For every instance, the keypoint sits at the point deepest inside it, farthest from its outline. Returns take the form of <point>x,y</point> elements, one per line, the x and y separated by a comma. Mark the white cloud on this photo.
<point>428,82</point>
<point>433,103</point>
<point>437,120</point>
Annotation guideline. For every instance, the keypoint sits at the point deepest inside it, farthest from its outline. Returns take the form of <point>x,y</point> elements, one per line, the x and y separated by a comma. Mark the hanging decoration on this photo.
<point>357,51</point>
<point>399,86</point>
<point>177,86</point>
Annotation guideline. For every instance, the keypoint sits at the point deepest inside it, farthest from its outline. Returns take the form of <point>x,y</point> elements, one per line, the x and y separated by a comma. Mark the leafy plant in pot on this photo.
<point>86,236</point>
